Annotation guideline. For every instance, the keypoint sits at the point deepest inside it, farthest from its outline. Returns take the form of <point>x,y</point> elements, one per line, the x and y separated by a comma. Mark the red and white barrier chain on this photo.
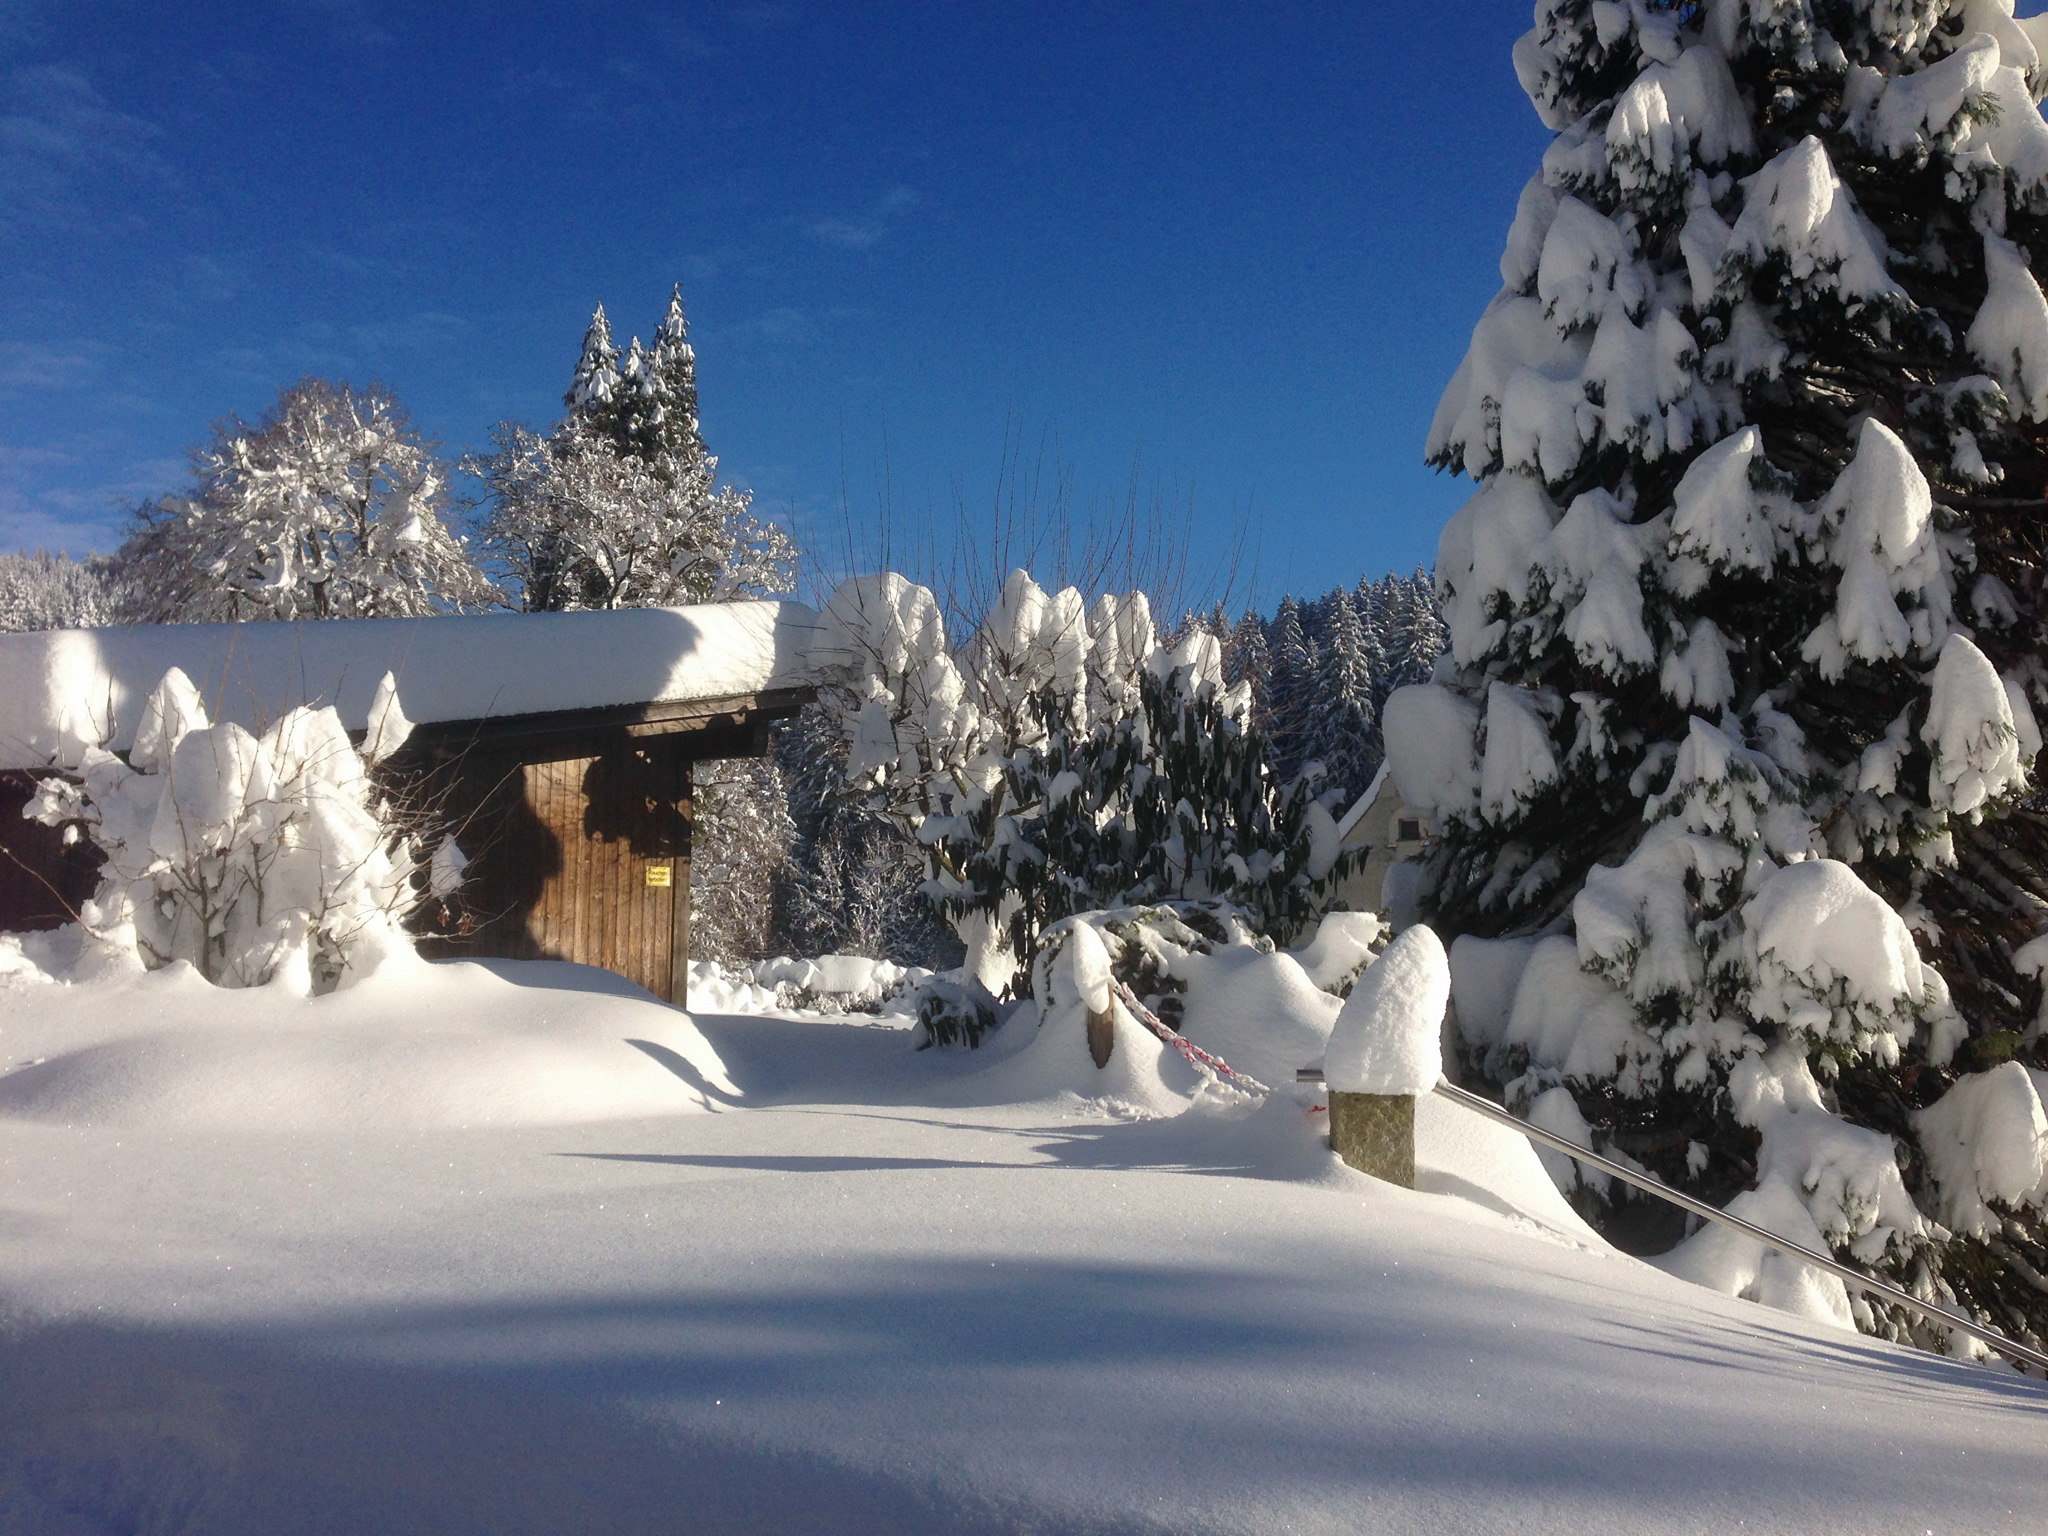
<point>1196,1056</point>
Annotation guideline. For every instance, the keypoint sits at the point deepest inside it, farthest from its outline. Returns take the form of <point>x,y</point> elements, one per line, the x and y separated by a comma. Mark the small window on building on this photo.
<point>1408,831</point>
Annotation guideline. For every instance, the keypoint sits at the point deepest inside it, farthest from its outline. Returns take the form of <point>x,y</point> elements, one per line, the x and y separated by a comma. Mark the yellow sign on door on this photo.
<point>661,875</point>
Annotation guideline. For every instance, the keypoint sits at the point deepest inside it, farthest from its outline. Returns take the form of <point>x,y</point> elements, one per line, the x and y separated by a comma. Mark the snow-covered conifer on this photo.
<point>1289,703</point>
<point>46,591</point>
<point>1342,732</point>
<point>620,505</point>
<point>1745,615</point>
<point>1247,658</point>
<point>331,507</point>
<point>661,420</point>
<point>596,383</point>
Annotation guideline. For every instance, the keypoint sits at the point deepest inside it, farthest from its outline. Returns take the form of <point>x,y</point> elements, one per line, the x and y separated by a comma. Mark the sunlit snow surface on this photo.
<point>517,1249</point>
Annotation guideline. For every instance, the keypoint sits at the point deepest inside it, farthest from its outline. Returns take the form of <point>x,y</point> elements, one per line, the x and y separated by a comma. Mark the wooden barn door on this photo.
<point>621,896</point>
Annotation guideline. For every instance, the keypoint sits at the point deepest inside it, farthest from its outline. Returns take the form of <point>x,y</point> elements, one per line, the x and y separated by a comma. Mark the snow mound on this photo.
<point>715,990</point>
<point>1725,1260</point>
<point>1460,1153</point>
<point>1143,1078</point>
<point>1389,1037</point>
<point>412,1047</point>
<point>1262,1013</point>
<point>1342,947</point>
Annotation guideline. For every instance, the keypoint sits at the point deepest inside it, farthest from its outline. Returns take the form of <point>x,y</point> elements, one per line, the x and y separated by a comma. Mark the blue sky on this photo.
<point>1229,253</point>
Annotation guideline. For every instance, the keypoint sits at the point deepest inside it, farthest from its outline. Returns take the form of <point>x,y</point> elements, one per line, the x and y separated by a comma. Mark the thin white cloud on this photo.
<point>58,136</point>
<point>428,329</point>
<point>866,230</point>
<point>34,368</point>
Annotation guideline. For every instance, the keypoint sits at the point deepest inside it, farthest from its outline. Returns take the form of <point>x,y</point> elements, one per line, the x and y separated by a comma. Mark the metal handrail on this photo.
<point>1649,1183</point>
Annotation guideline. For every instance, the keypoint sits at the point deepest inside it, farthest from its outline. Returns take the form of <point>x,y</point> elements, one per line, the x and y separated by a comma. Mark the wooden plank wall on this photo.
<point>560,851</point>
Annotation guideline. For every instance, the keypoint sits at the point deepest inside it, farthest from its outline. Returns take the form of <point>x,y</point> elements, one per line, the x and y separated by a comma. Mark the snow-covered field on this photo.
<point>514,1248</point>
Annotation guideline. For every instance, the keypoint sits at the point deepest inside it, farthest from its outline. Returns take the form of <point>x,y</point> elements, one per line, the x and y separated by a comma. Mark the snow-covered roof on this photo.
<point>1361,805</point>
<point>62,690</point>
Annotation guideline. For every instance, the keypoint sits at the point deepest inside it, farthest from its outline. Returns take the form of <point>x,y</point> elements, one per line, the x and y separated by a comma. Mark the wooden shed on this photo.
<point>559,746</point>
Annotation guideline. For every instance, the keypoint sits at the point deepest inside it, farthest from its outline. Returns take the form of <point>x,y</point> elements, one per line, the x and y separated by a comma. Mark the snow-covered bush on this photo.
<point>331,507</point>
<point>1063,759</point>
<point>1342,946</point>
<point>837,983</point>
<point>1733,739</point>
<point>256,859</point>
<point>1129,1001</point>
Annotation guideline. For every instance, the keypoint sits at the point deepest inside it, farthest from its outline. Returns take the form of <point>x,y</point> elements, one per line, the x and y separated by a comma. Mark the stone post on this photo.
<point>1375,1133</point>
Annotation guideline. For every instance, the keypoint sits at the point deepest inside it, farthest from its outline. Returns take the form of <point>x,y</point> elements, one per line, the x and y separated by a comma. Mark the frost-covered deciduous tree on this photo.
<point>741,838</point>
<point>256,859</point>
<point>1732,753</point>
<point>1062,760</point>
<point>331,507</point>
<point>854,883</point>
<point>579,524</point>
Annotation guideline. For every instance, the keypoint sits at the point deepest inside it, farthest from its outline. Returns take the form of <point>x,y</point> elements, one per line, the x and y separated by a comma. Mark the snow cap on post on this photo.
<point>1389,1038</point>
<point>1087,972</point>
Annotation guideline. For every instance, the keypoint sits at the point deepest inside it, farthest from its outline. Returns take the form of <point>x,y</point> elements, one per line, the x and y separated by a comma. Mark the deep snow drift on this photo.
<point>515,1247</point>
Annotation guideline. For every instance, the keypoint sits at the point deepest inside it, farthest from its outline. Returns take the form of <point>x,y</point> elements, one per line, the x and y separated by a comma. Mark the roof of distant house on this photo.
<point>62,690</point>
<point>1358,807</point>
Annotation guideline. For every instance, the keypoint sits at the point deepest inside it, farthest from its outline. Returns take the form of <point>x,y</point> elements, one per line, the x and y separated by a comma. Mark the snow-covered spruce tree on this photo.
<point>46,591</point>
<point>1409,632</point>
<point>657,418</point>
<point>1247,658</point>
<point>619,506</point>
<point>596,382</point>
<point>1063,760</point>
<point>1342,732</point>
<point>331,507</point>
<point>1287,710</point>
<point>255,859</point>
<point>1745,618</point>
